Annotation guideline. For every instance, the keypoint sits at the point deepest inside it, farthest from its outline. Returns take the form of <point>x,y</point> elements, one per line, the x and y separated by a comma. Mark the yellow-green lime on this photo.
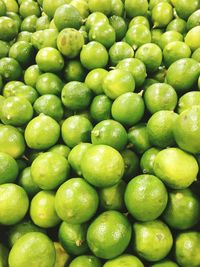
<point>74,71</point>
<point>31,75</point>
<point>9,168</point>
<point>61,149</point>
<point>42,23</point>
<point>139,20</point>
<point>104,6</point>
<point>165,263</point>
<point>49,6</point>
<point>94,18</point>
<point>28,8</point>
<point>147,160</point>
<point>178,25</point>
<point>86,260</point>
<point>29,24</point>
<point>94,80</point>
<point>8,28</point>
<point>21,90</point>
<point>131,164</point>
<point>3,8</point>
<point>100,108</point>
<point>10,69</point>
<point>161,14</point>
<point>188,100</point>
<point>192,38</point>
<point>44,38</point>
<point>196,55</point>
<point>185,8</point>
<point>125,260</point>
<point>120,51</point>
<point>62,257</point>
<point>4,49</point>
<point>135,8</point>
<point>49,83</point>
<point>119,25</point>
<point>168,37</point>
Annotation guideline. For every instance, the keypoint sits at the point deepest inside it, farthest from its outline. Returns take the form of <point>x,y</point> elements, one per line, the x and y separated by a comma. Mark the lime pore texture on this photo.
<point>99,133</point>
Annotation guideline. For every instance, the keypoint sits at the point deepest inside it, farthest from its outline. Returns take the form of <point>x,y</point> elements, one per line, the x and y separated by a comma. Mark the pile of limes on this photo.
<point>99,133</point>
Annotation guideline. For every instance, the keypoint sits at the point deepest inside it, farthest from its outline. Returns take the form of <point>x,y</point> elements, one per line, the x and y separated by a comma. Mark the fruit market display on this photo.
<point>99,133</point>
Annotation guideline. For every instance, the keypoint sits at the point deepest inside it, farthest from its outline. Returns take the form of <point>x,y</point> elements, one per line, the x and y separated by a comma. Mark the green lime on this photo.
<point>44,38</point>
<point>139,20</point>
<point>15,17</point>
<point>112,198</point>
<point>11,141</point>
<point>74,71</point>
<point>176,168</point>
<point>42,23</point>
<point>117,8</point>
<point>185,8</point>
<point>196,55</point>
<point>49,59</point>
<point>160,96</point>
<point>16,231</point>
<point>94,18</point>
<point>42,132</point>
<point>119,25</point>
<point>103,33</point>
<point>156,35</point>
<point>11,6</point>
<point>117,82</point>
<point>10,69</point>
<point>124,260</point>
<point>135,8</point>
<point>153,3</point>
<point>94,50</point>
<point>136,67</point>
<point>168,37</point>
<point>151,55</point>
<point>193,20</point>
<point>160,128</point>
<point>94,80</point>
<point>145,197</point>
<point>188,100</point>
<point>131,164</point>
<point>165,263</point>
<point>4,49</point>
<point>16,111</point>
<point>175,51</point>
<point>76,95</point>
<point>76,201</point>
<point>12,197</point>
<point>162,14</point>
<point>76,129</point>
<point>29,24</point>
<point>100,108</point>
<point>153,240</point>
<point>8,29</point>
<point>86,261</point>
<point>35,249</point>
<point>61,149</point>
<point>178,25</point>
<point>183,209</point>
<point>28,8</point>
<point>128,109</point>
<point>192,38</point>
<point>9,88</point>
<point>103,6</point>
<point>120,51</point>
<point>49,6</point>
<point>160,74</point>
<point>50,105</point>
<point>137,35</point>
<point>147,160</point>
<point>102,166</point>
<point>138,138</point>
<point>9,168</point>
<point>67,16</point>
<point>69,42</point>
<point>49,170</point>
<point>25,91</point>
<point>187,249</point>
<point>31,75</point>
<point>73,238</point>
<point>42,210</point>
<point>3,8</point>
<point>115,237</point>
<point>82,7</point>
<point>25,180</point>
<point>76,155</point>
<point>111,133</point>
<point>49,83</point>
<point>24,36</point>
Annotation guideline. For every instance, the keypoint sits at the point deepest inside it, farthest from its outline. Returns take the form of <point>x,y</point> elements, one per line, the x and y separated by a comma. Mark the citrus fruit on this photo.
<point>16,111</point>
<point>8,29</point>
<point>62,257</point>
<point>102,166</point>
<point>168,37</point>
<point>188,100</point>
<point>2,8</point>
<point>25,91</point>
<point>12,197</point>
<point>111,133</point>
<point>10,69</point>
<point>185,9</point>
<point>192,38</point>
<point>42,23</point>
<point>178,25</point>
<point>76,201</point>
<point>153,240</point>
<point>11,5</point>
<point>165,263</point>
<point>49,6</point>
<point>73,238</point>
<point>94,80</point>
<point>76,129</point>
<point>44,38</point>
<point>145,197</point>
<point>42,210</point>
<point>24,36</point>
<point>11,141</point>
<point>69,42</point>
<point>135,8</point>
<point>160,96</point>
<point>9,168</point>
<point>28,8</point>
<point>76,155</point>
<point>196,55</point>
<point>193,20</point>
<point>31,75</point>
<point>85,260</point>
<point>81,6</point>
<point>112,198</point>
<point>120,51</point>
<point>186,130</point>
<point>119,25</point>
<point>176,168</point>
<point>104,6</point>
<point>100,108</point>
<point>187,249</point>
<point>49,170</point>
<point>139,20</point>
<point>128,109</point>
<point>4,49</point>
<point>117,8</point>
<point>147,160</point>
<point>94,50</point>
<point>156,35</point>
<point>33,248</point>
<point>76,95</point>
<point>124,260</point>
<point>115,237</point>
<point>183,209</point>
<point>94,18</point>
<point>74,71</point>
<point>49,83</point>
<point>61,149</point>
<point>117,82</point>
<point>162,14</point>
<point>131,164</point>
<point>29,24</point>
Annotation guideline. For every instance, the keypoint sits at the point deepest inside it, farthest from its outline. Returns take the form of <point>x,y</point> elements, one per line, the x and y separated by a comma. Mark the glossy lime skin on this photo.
<point>85,260</point>
<point>124,260</point>
<point>100,108</point>
<point>9,168</point>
